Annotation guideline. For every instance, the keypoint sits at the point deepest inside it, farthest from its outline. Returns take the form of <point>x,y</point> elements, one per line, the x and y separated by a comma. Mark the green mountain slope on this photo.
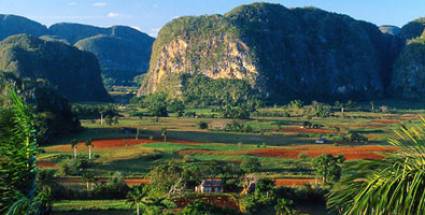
<point>284,53</point>
<point>75,74</point>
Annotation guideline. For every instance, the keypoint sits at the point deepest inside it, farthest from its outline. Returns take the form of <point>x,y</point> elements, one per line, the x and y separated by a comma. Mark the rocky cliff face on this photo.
<point>215,53</point>
<point>285,53</point>
<point>75,74</point>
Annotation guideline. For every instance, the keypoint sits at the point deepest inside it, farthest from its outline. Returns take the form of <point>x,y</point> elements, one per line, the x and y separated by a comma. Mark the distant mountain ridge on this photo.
<point>126,41</point>
<point>301,53</point>
<point>74,73</point>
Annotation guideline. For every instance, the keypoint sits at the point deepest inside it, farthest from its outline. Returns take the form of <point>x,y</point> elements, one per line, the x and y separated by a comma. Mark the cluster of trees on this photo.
<point>234,98</point>
<point>159,105</point>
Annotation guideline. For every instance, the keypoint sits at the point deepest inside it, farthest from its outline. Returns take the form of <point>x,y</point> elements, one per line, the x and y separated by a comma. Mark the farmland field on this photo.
<point>284,147</point>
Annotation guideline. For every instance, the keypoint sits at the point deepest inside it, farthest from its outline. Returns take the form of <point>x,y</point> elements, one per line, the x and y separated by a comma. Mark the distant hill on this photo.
<point>75,73</point>
<point>409,71</point>
<point>413,29</point>
<point>116,71</point>
<point>285,53</point>
<point>390,29</point>
<point>123,54</point>
<point>11,24</point>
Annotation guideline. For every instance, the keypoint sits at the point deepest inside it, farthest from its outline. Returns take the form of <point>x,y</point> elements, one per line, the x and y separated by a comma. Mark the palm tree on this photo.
<point>137,197</point>
<point>88,178</point>
<point>74,144</point>
<point>89,144</point>
<point>158,204</point>
<point>284,207</point>
<point>395,185</point>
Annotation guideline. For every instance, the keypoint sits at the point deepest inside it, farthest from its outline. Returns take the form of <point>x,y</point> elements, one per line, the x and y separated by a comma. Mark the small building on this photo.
<point>321,141</point>
<point>213,185</point>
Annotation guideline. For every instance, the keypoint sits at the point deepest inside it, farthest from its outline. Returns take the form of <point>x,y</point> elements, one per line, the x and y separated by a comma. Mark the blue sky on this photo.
<point>150,15</point>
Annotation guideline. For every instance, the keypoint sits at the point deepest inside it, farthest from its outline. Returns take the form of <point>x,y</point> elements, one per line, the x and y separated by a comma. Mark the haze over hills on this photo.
<point>123,52</point>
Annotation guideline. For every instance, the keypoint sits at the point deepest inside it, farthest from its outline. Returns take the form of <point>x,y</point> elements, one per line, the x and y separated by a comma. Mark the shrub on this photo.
<point>203,125</point>
<point>250,164</point>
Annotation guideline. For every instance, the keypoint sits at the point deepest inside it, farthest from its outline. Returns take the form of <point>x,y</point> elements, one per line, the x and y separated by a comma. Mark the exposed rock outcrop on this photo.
<point>285,53</point>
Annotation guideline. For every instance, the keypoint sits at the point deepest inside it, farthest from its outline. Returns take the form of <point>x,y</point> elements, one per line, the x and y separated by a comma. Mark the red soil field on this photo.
<point>137,181</point>
<point>46,164</point>
<point>295,181</point>
<point>116,143</point>
<point>307,130</point>
<point>111,143</point>
<point>350,152</point>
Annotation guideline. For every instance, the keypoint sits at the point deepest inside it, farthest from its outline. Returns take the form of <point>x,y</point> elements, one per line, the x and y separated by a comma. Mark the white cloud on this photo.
<point>100,4</point>
<point>137,28</point>
<point>154,32</point>
<point>73,3</point>
<point>112,14</point>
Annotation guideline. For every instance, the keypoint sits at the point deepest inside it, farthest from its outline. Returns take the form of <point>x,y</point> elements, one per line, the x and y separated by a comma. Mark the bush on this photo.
<point>356,137</point>
<point>190,114</point>
<point>176,106</point>
<point>73,166</point>
<point>250,164</point>
<point>203,125</point>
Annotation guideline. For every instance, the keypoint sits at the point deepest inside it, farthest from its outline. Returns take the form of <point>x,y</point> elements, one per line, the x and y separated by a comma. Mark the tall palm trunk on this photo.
<point>89,152</point>
<point>101,118</point>
<point>75,152</point>
<point>138,209</point>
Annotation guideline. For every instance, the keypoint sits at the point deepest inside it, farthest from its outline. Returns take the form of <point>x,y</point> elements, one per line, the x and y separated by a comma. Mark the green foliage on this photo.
<point>73,166</point>
<point>201,208</point>
<point>18,147</point>
<point>75,74</point>
<point>176,106</point>
<point>52,112</point>
<point>329,167</point>
<point>394,185</point>
<point>236,126</point>
<point>203,125</point>
<point>201,91</point>
<point>156,104</point>
<point>174,176</point>
<point>140,199</point>
<point>356,137</point>
<point>93,111</point>
<point>284,207</point>
<point>319,109</point>
<point>250,164</point>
